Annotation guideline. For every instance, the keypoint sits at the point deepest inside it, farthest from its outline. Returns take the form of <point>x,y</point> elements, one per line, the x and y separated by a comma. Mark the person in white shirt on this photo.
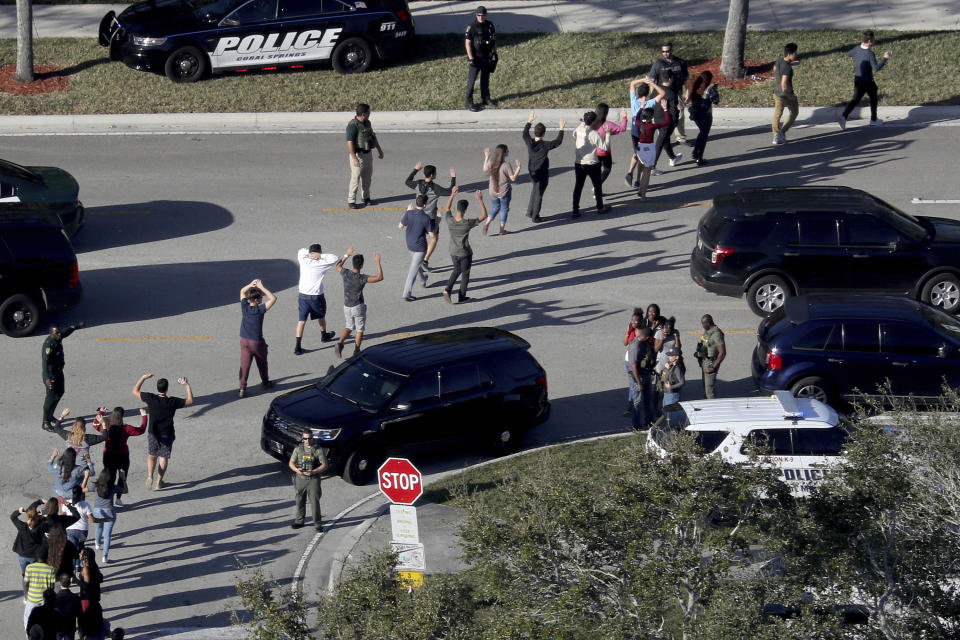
<point>310,302</point>
<point>586,142</point>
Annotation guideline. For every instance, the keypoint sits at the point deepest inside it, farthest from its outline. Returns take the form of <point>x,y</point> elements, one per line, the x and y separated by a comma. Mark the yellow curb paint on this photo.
<point>110,212</point>
<point>153,339</point>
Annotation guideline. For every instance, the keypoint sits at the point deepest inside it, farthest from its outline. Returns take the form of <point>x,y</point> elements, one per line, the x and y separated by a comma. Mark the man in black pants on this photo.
<point>461,254</point>
<point>664,133</point>
<point>586,142</point>
<point>677,68</point>
<point>480,41</point>
<point>864,66</point>
<point>428,187</point>
<point>51,360</point>
<point>539,164</point>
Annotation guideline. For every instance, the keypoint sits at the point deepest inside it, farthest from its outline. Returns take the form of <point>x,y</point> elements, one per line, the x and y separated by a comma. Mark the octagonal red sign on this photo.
<point>400,481</point>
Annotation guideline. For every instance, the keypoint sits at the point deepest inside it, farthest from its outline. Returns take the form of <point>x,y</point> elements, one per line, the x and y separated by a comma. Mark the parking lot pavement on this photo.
<point>178,223</point>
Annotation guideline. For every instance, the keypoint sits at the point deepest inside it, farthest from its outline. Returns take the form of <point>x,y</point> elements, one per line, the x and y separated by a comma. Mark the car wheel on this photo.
<point>353,55</point>
<point>361,467</point>
<point>943,291</point>
<point>812,388</point>
<point>767,294</point>
<point>186,64</point>
<point>506,440</point>
<point>19,315</point>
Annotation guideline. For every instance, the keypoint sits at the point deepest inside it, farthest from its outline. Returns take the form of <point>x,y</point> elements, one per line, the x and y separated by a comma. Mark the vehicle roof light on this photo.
<point>789,405</point>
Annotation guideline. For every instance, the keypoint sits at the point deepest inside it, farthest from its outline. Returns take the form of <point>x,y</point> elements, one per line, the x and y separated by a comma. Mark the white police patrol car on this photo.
<point>186,39</point>
<point>799,437</point>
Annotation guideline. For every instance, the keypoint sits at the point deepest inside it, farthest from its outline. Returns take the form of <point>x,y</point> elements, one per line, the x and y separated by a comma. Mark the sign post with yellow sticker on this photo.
<point>411,579</point>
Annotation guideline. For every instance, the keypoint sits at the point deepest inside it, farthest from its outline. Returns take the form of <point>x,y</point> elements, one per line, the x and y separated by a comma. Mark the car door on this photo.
<point>812,254</point>
<point>250,36</point>
<point>465,396</point>
<point>414,413</point>
<point>881,259</point>
<point>864,368</point>
<point>913,356</point>
<point>816,451</point>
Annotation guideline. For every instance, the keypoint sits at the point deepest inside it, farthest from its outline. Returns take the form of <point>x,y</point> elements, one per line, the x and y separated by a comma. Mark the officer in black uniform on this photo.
<point>480,41</point>
<point>51,359</point>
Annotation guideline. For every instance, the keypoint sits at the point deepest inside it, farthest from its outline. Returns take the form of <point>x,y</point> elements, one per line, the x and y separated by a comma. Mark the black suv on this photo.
<point>774,243</point>
<point>38,272</point>
<point>472,384</point>
<point>827,347</point>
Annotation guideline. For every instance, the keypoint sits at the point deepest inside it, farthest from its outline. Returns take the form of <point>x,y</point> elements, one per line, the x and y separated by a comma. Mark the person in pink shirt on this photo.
<point>602,125</point>
<point>501,175</point>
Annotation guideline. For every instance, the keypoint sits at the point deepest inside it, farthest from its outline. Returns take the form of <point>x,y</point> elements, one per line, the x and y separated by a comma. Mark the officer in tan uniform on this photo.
<point>307,463</point>
<point>711,351</point>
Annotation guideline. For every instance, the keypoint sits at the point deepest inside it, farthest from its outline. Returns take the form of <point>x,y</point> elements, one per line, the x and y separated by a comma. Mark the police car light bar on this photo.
<point>789,405</point>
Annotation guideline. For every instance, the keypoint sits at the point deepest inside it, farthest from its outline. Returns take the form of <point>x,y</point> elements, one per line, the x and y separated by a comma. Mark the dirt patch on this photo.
<point>47,79</point>
<point>757,71</point>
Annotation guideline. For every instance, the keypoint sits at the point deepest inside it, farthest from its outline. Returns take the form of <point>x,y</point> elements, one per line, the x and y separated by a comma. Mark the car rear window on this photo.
<point>520,365</point>
<point>819,442</point>
<point>748,232</point>
<point>30,245</point>
<point>773,326</point>
<point>708,440</point>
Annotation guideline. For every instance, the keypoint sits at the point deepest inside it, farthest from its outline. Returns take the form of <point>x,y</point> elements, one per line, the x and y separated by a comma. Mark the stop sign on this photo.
<point>400,481</point>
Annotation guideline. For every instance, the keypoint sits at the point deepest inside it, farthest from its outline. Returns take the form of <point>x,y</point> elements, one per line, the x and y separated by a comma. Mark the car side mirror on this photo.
<point>402,406</point>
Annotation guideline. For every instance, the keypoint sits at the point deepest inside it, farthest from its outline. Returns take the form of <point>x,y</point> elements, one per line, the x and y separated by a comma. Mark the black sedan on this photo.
<point>186,39</point>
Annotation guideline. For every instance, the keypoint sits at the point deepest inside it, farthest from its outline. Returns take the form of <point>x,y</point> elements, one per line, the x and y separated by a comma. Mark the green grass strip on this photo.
<point>536,71</point>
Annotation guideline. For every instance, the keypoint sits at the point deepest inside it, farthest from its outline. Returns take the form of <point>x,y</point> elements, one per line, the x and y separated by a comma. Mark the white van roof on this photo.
<point>780,408</point>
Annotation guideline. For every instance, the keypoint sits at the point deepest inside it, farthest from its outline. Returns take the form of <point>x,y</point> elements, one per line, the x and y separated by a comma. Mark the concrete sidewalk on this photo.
<point>525,16</point>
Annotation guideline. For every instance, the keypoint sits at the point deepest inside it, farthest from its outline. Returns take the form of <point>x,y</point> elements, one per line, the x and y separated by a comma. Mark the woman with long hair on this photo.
<point>104,513</point>
<point>636,322</point>
<point>604,126</point>
<point>29,534</point>
<point>701,96</point>
<point>89,579</point>
<point>68,473</point>
<point>79,440</point>
<point>496,166</point>
<point>116,454</point>
<point>646,146</point>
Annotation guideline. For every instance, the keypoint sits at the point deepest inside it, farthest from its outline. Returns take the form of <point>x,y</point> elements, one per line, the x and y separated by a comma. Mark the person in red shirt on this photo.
<point>646,148</point>
<point>116,454</point>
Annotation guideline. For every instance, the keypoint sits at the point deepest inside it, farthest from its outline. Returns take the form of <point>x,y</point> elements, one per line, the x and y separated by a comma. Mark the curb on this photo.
<point>417,121</point>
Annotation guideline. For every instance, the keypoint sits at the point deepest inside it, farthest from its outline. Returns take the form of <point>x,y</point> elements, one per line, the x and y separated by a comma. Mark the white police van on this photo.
<point>799,437</point>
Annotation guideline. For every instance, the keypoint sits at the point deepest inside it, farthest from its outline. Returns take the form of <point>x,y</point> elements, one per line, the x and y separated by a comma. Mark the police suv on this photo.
<point>186,39</point>
<point>799,437</point>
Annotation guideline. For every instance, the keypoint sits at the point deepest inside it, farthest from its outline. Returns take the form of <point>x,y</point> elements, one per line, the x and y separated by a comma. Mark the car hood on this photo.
<point>58,186</point>
<point>160,18</point>
<point>311,407</point>
<point>944,230</point>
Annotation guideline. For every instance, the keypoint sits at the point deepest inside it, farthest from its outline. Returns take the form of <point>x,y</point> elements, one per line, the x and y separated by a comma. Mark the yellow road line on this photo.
<point>118,212</point>
<point>694,332</point>
<point>343,209</point>
<point>402,335</point>
<point>153,339</point>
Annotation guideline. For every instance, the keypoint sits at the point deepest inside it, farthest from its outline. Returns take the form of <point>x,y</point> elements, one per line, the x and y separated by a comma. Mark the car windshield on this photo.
<point>943,322</point>
<point>13,169</point>
<point>903,222</point>
<point>216,9</point>
<point>363,384</point>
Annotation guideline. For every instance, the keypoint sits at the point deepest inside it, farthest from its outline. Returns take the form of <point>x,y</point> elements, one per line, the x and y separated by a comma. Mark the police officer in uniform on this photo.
<point>307,463</point>
<point>51,363</point>
<point>480,42</point>
<point>711,351</point>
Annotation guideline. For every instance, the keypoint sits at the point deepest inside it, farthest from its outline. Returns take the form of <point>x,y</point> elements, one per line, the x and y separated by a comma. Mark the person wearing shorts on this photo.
<point>311,303</point>
<point>354,308</point>
<point>160,432</point>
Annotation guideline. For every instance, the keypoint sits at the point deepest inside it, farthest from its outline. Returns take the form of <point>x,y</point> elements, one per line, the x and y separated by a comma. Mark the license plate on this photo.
<point>276,446</point>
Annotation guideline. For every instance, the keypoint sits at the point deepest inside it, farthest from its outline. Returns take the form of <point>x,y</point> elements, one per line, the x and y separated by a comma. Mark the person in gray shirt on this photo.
<point>354,308</point>
<point>864,66</point>
<point>461,254</point>
<point>428,187</point>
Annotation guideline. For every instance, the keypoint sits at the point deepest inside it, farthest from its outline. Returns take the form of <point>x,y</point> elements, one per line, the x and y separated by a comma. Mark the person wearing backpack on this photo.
<point>361,141</point>
<point>429,188</point>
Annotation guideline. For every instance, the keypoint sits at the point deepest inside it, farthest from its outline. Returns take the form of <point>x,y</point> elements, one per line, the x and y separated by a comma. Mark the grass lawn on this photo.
<point>574,70</point>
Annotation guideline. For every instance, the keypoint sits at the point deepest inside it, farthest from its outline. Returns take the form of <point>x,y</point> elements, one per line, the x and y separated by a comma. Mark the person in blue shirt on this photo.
<point>418,229</point>
<point>864,66</point>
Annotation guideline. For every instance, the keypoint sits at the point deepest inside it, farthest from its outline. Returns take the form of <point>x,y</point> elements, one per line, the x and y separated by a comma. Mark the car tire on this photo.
<point>768,294</point>
<point>506,440</point>
<point>19,315</point>
<point>942,291</point>
<point>186,64</point>
<point>361,466</point>
<point>353,55</point>
<point>811,387</point>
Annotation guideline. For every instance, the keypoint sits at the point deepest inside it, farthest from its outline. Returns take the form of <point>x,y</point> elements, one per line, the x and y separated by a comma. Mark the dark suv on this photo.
<point>774,243</point>
<point>473,384</point>
<point>38,272</point>
<point>826,347</point>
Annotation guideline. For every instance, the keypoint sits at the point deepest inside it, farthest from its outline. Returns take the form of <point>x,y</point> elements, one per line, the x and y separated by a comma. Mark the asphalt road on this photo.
<point>178,224</point>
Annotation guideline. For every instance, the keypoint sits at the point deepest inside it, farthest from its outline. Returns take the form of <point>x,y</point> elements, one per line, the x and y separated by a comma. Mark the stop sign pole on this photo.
<point>402,484</point>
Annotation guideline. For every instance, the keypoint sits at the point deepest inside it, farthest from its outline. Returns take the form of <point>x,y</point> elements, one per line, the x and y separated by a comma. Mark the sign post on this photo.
<point>402,484</point>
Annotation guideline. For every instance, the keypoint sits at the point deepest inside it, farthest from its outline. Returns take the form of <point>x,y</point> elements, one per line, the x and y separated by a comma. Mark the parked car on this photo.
<point>186,39</point>
<point>798,437</point>
<point>41,192</point>
<point>475,384</point>
<point>830,347</point>
<point>38,273</point>
<point>774,243</point>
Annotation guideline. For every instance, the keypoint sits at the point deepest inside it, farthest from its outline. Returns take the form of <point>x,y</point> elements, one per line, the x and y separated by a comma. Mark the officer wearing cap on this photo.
<point>711,350</point>
<point>51,364</point>
<point>480,41</point>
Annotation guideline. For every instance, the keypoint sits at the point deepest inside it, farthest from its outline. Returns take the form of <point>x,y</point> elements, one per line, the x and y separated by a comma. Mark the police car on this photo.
<point>799,437</point>
<point>186,39</point>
